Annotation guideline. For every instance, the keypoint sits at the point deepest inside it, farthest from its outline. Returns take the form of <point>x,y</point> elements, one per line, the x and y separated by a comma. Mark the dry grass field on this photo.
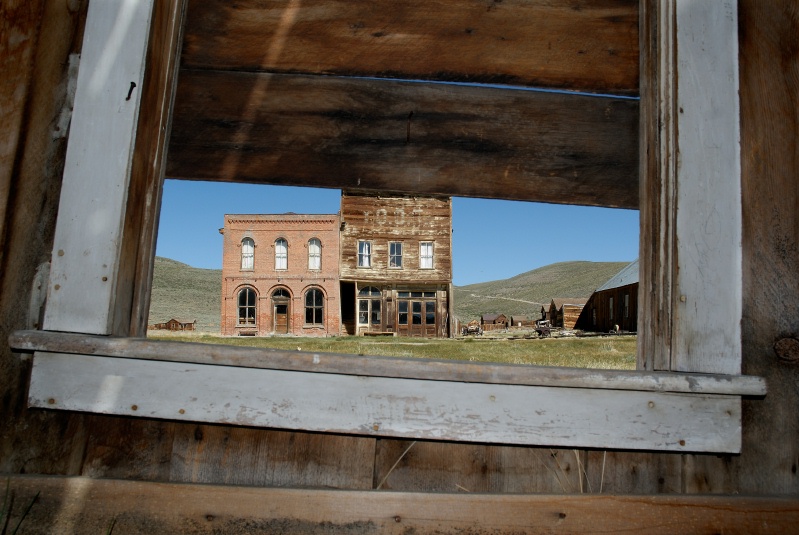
<point>606,352</point>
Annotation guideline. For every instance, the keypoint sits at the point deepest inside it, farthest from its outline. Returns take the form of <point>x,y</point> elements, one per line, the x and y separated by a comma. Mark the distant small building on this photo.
<point>493,322</point>
<point>615,303</point>
<point>519,320</point>
<point>176,324</point>
<point>564,311</point>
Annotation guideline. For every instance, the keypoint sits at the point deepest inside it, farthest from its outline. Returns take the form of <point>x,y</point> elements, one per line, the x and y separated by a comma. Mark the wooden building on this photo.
<point>280,275</point>
<point>176,324</point>
<point>494,322</point>
<point>105,430</point>
<point>564,311</point>
<point>520,320</point>
<point>614,305</point>
<point>396,264</point>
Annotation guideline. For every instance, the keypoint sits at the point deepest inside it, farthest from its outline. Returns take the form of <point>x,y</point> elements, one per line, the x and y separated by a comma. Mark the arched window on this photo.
<point>281,292</point>
<point>314,306</point>
<point>281,254</point>
<point>247,306</point>
<point>314,254</point>
<point>247,253</point>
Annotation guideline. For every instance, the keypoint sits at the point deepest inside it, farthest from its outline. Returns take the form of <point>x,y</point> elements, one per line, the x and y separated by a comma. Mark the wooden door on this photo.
<point>281,318</point>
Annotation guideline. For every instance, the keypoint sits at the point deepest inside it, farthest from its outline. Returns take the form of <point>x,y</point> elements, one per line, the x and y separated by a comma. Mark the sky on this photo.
<point>491,239</point>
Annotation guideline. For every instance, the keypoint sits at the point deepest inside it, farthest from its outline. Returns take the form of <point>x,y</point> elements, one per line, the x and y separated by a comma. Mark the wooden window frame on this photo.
<point>367,256</point>
<point>393,256</point>
<point>284,256</point>
<point>684,397</point>
<point>317,255</point>
<point>251,255</point>
<point>432,254</point>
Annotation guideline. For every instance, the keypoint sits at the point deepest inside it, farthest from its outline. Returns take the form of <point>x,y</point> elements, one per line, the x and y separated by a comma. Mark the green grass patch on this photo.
<point>611,352</point>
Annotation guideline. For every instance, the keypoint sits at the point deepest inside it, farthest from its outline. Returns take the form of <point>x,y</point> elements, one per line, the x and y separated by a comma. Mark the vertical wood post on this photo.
<point>690,187</point>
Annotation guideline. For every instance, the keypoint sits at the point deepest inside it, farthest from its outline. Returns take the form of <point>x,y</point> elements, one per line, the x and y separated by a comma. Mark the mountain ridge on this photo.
<point>182,291</point>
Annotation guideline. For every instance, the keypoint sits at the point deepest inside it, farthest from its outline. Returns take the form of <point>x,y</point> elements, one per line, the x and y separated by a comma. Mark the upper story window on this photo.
<point>247,253</point>
<point>364,254</point>
<point>281,254</point>
<point>426,255</point>
<point>395,255</point>
<point>314,254</point>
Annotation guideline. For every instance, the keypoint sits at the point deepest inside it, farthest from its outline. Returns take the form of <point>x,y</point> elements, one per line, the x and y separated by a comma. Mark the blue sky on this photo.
<point>491,240</point>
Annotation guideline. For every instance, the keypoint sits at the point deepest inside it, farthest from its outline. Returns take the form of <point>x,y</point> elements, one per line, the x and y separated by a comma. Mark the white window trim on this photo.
<point>431,257</point>
<point>366,256</point>
<point>250,255</point>
<point>650,410</point>
<point>283,256</point>
<point>317,256</point>
<point>401,255</point>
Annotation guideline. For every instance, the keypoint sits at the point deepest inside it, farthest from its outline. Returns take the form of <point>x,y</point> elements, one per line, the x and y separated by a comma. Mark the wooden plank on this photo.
<point>128,448</point>
<point>590,47</point>
<point>690,198</point>
<point>405,465</point>
<point>770,197</point>
<point>429,369</point>
<point>87,244</point>
<point>707,310</point>
<point>632,472</point>
<point>17,50</point>
<point>143,508</point>
<point>134,277</point>
<point>376,406</point>
<point>405,137</point>
<point>258,457</point>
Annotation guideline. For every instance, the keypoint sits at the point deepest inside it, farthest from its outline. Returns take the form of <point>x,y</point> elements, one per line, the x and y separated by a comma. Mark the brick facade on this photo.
<point>282,285</point>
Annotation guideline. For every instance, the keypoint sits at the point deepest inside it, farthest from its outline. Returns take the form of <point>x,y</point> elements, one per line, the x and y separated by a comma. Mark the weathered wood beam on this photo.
<point>592,46</point>
<point>435,370</point>
<point>386,406</point>
<point>83,505</point>
<point>422,138</point>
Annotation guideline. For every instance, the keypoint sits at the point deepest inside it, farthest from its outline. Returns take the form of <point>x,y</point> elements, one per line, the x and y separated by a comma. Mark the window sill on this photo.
<point>438,400</point>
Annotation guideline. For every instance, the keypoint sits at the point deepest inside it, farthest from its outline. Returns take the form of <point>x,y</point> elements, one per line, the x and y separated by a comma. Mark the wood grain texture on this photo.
<point>408,220</point>
<point>128,448</point>
<point>404,465</point>
<point>29,440</point>
<point>147,169</point>
<point>415,138</point>
<point>437,370</point>
<point>88,239</point>
<point>378,406</point>
<point>257,457</point>
<point>81,505</point>
<point>769,41</point>
<point>584,46</point>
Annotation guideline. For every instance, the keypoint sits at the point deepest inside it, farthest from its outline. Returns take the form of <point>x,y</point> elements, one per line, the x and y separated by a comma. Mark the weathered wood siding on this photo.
<point>48,442</point>
<point>596,315</point>
<point>408,220</point>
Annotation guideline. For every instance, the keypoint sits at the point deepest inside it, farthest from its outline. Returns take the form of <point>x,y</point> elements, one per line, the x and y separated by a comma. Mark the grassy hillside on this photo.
<point>181,291</point>
<point>525,293</point>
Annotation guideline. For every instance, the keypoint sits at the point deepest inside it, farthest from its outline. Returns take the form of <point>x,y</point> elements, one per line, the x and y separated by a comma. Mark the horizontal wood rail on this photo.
<point>82,505</point>
<point>392,367</point>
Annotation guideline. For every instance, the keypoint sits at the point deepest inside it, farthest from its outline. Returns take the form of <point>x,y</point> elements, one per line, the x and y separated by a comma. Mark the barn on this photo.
<point>104,430</point>
<point>614,305</point>
<point>564,311</point>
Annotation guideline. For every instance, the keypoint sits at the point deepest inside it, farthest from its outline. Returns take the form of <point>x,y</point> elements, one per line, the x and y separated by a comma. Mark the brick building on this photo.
<point>280,275</point>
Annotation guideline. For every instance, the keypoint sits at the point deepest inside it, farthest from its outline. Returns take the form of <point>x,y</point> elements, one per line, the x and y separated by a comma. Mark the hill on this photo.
<point>525,293</point>
<point>182,291</point>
